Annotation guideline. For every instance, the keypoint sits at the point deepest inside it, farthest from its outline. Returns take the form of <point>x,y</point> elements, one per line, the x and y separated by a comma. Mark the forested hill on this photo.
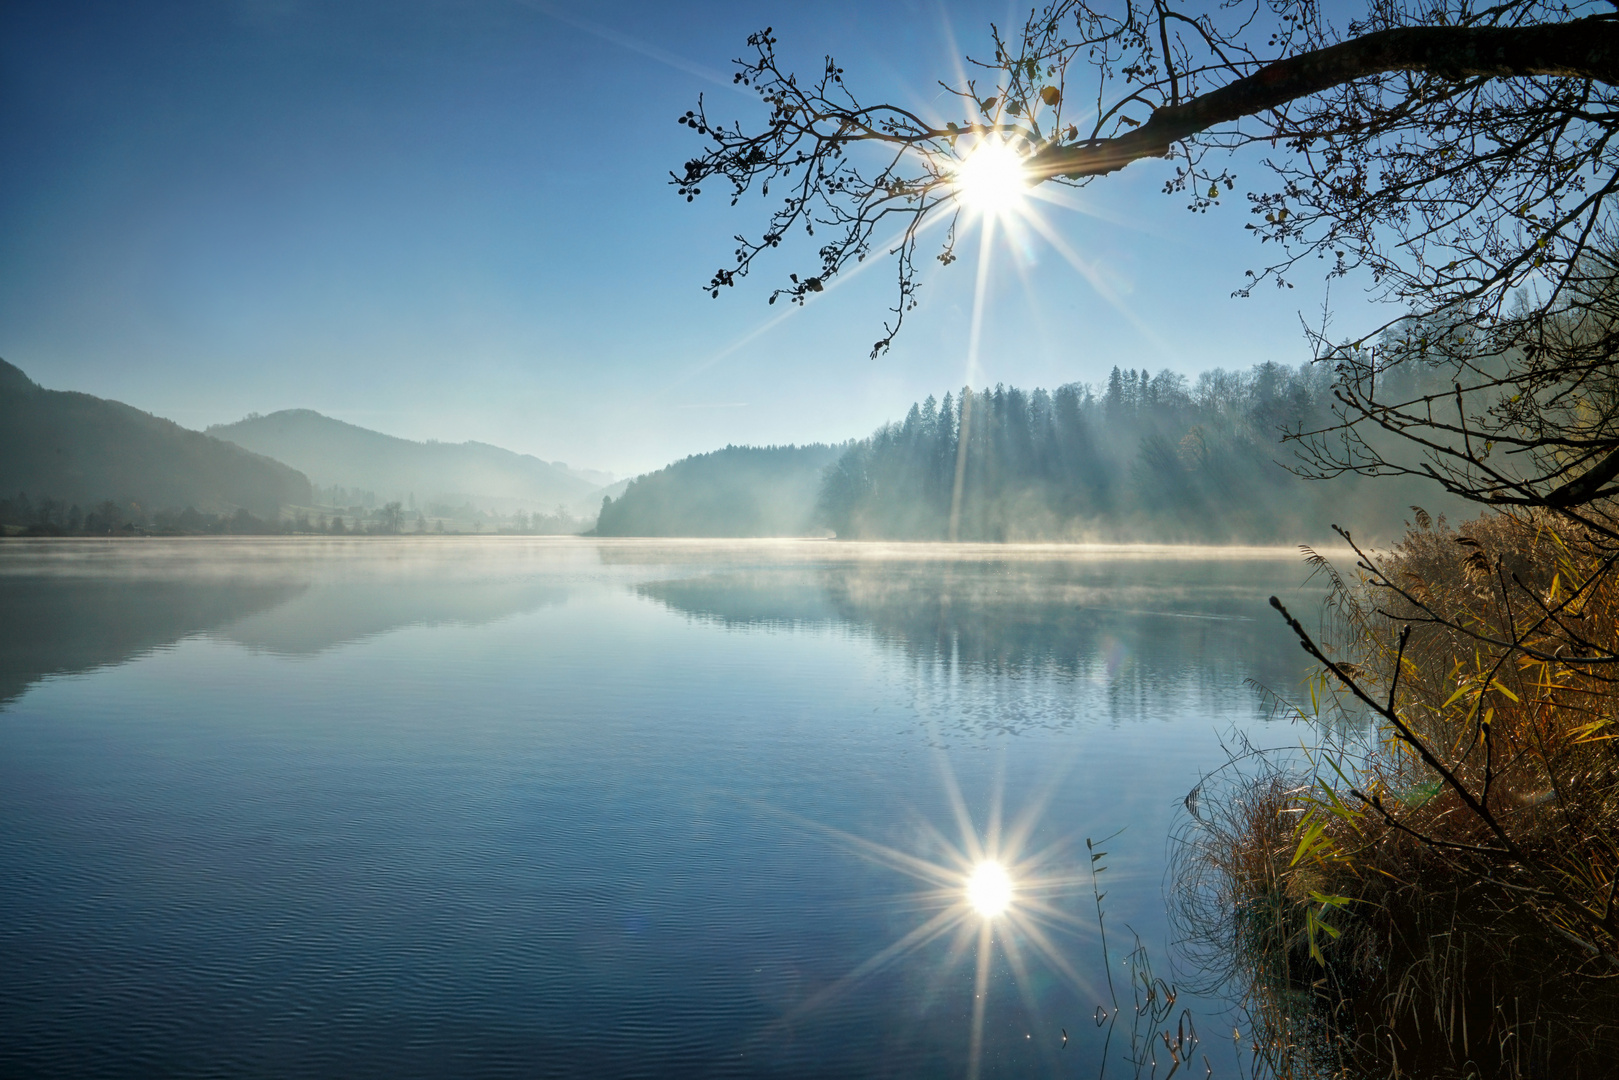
<point>333,452</point>
<point>1149,459</point>
<point>76,448</point>
<point>737,491</point>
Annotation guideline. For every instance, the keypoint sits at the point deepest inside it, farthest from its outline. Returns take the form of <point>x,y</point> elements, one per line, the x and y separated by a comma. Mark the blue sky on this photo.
<point>451,220</point>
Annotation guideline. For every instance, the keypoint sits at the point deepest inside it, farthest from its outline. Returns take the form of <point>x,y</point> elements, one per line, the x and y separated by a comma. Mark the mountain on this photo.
<point>737,491</point>
<point>334,453</point>
<point>81,449</point>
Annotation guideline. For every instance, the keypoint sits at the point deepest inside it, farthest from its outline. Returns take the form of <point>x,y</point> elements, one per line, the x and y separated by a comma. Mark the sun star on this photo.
<point>992,180</point>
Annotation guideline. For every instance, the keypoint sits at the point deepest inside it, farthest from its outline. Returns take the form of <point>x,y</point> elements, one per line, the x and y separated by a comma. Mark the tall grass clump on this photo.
<point>1433,891</point>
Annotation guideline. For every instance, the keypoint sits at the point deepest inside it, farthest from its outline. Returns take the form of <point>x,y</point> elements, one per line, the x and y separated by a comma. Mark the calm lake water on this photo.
<point>535,807</point>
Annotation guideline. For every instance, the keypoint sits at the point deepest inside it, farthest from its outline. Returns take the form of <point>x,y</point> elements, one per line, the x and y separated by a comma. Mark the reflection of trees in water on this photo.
<point>1016,645</point>
<point>786,597</point>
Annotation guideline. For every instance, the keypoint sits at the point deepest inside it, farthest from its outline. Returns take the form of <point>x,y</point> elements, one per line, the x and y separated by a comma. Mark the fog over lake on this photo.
<point>517,806</point>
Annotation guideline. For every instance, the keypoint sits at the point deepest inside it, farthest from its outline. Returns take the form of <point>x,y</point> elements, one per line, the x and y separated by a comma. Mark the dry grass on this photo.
<point>1436,897</point>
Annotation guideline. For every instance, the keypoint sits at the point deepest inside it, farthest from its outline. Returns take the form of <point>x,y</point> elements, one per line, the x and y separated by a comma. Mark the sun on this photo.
<point>989,889</point>
<point>992,180</point>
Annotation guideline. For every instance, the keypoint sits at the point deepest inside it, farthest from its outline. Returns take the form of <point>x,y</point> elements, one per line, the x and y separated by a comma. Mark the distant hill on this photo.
<point>83,449</point>
<point>332,453</point>
<point>737,491</point>
<point>597,478</point>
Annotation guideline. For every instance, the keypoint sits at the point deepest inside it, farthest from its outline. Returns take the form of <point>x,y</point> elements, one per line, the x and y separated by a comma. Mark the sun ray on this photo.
<point>992,831</point>
<point>943,878</point>
<point>931,222</point>
<point>1025,988</point>
<point>1102,288</point>
<point>1023,825</point>
<point>1068,199</point>
<point>958,807</point>
<point>961,852</point>
<point>942,923</point>
<point>960,944</point>
<point>1033,906</point>
<point>975,332</point>
<point>974,335</point>
<point>1051,955</point>
<point>986,886</point>
<point>975,1044</point>
<point>934,927</point>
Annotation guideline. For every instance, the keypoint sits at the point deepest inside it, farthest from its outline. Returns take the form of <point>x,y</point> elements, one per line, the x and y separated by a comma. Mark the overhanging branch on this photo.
<point>1582,49</point>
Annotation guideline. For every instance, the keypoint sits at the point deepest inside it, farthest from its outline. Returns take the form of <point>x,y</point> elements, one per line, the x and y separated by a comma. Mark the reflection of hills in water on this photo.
<point>339,613</point>
<point>1133,630</point>
<point>63,626</point>
<point>68,625</point>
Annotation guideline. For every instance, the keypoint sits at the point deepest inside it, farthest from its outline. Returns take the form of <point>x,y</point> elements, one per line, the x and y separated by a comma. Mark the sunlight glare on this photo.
<point>990,892</point>
<point>992,180</point>
<point>989,889</point>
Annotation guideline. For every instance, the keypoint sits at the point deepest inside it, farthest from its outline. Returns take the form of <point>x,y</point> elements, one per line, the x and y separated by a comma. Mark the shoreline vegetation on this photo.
<point>1434,890</point>
<point>30,517</point>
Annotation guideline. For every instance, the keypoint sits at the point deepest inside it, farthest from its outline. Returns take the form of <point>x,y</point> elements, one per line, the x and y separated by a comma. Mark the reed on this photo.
<point>1431,891</point>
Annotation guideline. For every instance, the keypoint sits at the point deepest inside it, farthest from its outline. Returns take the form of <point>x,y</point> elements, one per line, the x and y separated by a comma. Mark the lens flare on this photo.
<point>992,180</point>
<point>989,889</point>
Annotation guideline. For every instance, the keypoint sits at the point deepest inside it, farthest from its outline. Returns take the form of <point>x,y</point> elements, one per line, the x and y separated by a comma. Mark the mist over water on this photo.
<point>506,806</point>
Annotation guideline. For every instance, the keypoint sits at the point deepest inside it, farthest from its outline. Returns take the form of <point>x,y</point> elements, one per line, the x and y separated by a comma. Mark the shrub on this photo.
<point>1432,892</point>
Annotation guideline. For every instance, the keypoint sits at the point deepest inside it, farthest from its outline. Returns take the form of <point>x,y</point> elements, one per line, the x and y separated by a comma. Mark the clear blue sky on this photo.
<point>451,220</point>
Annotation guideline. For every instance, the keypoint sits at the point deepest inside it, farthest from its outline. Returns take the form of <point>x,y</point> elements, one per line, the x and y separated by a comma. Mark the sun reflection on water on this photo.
<point>990,891</point>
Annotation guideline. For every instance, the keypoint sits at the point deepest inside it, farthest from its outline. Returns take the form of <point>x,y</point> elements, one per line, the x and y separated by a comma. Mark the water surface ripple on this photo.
<point>523,807</point>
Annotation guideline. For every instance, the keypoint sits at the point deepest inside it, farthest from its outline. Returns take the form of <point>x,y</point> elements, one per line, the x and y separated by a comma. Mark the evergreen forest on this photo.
<point>1151,457</point>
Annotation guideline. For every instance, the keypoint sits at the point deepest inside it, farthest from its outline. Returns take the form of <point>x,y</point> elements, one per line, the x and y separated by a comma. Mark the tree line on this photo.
<point>1145,457</point>
<point>45,516</point>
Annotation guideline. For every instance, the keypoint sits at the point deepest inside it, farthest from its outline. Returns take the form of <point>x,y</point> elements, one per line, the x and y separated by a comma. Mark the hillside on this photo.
<point>82,449</point>
<point>332,452</point>
<point>737,491</point>
<point>1151,459</point>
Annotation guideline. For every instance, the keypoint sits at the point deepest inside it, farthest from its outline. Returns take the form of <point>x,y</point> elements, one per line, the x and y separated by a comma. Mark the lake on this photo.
<point>494,807</point>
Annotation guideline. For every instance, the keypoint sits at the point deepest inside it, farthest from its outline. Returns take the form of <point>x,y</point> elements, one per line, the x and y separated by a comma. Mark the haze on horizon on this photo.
<point>451,221</point>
